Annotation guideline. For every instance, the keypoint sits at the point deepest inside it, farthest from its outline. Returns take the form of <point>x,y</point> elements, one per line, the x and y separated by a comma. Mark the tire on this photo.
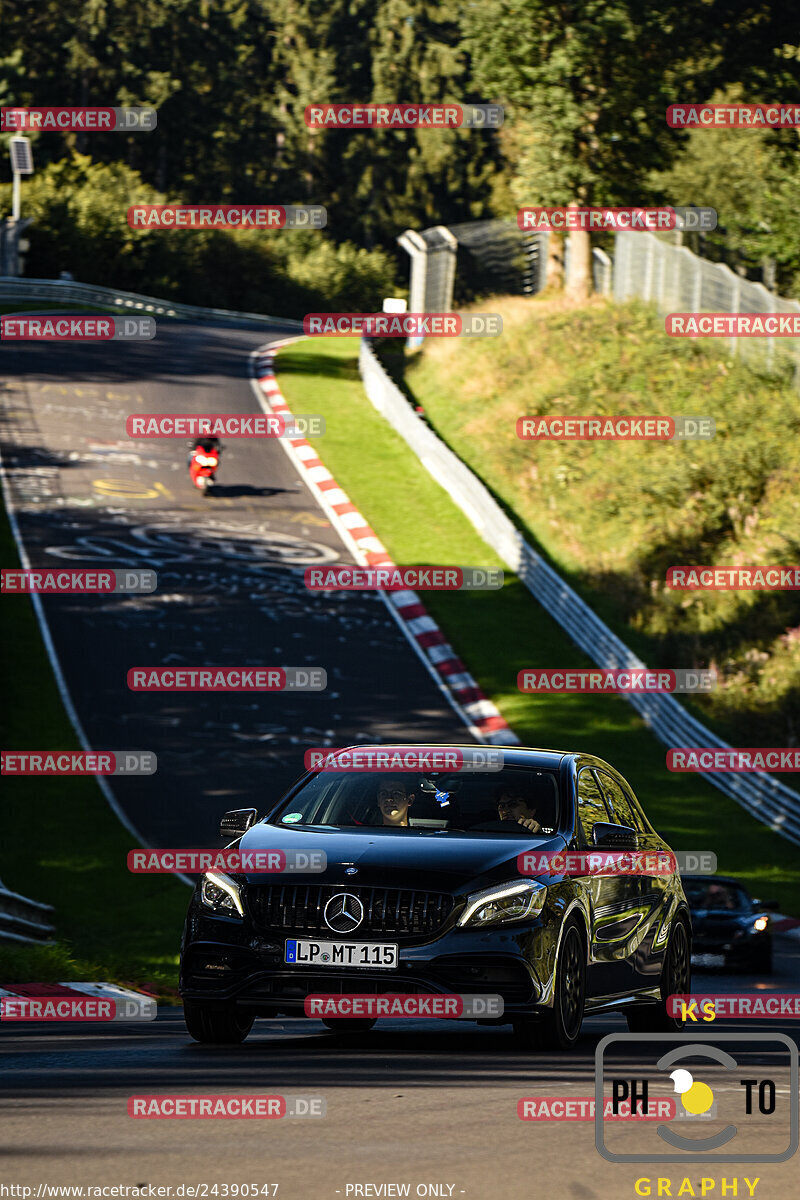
<point>558,1028</point>
<point>216,1024</point>
<point>675,979</point>
<point>349,1024</point>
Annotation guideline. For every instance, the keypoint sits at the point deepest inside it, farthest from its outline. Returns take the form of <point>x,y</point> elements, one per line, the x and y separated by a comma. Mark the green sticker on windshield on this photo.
<point>291,818</point>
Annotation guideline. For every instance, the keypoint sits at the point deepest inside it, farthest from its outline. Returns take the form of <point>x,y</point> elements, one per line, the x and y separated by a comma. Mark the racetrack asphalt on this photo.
<point>409,1103</point>
<point>230,586</point>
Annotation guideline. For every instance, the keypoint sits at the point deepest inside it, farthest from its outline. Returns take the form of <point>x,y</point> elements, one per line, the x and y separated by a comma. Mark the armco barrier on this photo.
<point>772,802</point>
<point>69,292</point>
<point>23,920</point>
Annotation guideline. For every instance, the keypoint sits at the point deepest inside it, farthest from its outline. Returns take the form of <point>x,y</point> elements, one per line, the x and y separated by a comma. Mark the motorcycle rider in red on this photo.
<point>208,447</point>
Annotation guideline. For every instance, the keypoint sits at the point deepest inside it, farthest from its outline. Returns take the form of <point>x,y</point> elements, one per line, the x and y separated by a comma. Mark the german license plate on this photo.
<point>302,952</point>
<point>708,960</point>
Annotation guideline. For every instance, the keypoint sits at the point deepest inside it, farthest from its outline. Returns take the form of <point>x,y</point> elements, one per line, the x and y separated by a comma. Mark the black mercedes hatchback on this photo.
<point>421,894</point>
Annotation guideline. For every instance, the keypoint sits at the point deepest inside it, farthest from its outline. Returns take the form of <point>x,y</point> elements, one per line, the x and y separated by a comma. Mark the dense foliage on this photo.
<point>586,84</point>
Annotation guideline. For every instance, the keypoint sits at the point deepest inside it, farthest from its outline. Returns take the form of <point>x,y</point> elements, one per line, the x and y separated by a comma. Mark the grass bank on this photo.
<point>612,516</point>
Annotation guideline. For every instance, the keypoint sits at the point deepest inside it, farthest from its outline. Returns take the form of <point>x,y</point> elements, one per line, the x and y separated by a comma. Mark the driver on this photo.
<point>513,805</point>
<point>394,801</point>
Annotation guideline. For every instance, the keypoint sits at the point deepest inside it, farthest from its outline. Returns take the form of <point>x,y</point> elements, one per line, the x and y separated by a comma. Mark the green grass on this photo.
<point>613,516</point>
<point>63,846</point>
<point>498,633</point>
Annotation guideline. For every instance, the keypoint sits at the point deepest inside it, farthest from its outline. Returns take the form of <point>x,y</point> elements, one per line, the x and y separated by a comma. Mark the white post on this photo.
<point>735,306</point>
<point>15,202</point>
<point>417,251</point>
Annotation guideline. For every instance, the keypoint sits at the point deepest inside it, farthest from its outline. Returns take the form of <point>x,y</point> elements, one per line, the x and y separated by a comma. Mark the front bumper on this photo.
<point>734,949</point>
<point>224,961</point>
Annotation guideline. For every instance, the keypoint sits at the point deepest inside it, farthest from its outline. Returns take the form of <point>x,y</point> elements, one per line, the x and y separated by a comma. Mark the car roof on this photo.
<point>514,756</point>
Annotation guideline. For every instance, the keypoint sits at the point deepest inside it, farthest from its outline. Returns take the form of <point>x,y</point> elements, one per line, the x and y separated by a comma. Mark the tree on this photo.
<point>588,83</point>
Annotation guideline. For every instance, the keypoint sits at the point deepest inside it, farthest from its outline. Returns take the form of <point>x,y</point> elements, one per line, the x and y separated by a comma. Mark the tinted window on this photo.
<point>455,800</point>
<point>623,810</point>
<point>591,806</point>
<point>711,896</point>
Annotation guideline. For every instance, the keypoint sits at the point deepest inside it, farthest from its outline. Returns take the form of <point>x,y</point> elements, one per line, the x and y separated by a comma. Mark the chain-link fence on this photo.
<point>676,280</point>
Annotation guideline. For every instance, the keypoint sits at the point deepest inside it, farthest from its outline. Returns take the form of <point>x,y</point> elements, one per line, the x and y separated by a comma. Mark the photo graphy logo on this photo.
<point>737,1096</point>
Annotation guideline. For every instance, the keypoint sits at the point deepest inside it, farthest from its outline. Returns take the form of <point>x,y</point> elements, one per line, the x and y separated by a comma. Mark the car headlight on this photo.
<point>503,904</point>
<point>221,894</point>
<point>760,924</point>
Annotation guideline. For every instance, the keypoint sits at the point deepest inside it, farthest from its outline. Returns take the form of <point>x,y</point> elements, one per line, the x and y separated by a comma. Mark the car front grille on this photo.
<point>396,911</point>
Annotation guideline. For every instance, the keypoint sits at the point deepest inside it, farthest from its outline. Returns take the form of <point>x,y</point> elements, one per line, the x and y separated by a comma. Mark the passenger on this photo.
<point>394,801</point>
<point>512,805</point>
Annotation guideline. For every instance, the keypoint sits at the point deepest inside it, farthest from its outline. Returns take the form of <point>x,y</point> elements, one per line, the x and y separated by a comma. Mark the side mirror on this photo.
<point>237,822</point>
<point>768,905</point>
<point>614,837</point>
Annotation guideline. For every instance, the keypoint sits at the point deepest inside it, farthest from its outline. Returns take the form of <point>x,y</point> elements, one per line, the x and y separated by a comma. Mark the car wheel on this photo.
<point>558,1028</point>
<point>349,1024</point>
<point>210,1023</point>
<point>675,977</point>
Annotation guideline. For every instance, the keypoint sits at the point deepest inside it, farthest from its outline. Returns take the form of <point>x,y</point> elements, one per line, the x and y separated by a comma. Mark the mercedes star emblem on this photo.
<point>343,913</point>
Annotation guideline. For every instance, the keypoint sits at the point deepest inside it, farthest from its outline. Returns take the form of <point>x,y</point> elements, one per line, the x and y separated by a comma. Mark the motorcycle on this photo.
<point>202,467</point>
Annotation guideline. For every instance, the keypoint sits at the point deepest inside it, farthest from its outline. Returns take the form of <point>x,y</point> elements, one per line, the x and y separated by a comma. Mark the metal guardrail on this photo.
<point>70,292</point>
<point>23,920</point>
<point>772,802</point>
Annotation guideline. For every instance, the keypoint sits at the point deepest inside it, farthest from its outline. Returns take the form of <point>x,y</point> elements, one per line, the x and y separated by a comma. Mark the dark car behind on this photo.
<point>731,929</point>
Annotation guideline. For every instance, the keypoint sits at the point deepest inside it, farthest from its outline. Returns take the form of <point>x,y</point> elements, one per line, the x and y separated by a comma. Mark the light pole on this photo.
<point>19,149</point>
<point>21,164</point>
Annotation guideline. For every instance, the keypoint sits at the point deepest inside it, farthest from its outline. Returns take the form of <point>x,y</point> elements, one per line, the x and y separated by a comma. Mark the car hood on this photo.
<point>414,858</point>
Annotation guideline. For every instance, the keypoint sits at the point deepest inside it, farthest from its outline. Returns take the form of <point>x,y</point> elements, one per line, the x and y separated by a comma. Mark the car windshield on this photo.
<point>707,894</point>
<point>464,801</point>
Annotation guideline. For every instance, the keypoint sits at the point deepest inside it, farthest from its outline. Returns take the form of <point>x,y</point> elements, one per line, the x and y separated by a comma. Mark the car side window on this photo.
<point>624,812</point>
<point>591,805</point>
